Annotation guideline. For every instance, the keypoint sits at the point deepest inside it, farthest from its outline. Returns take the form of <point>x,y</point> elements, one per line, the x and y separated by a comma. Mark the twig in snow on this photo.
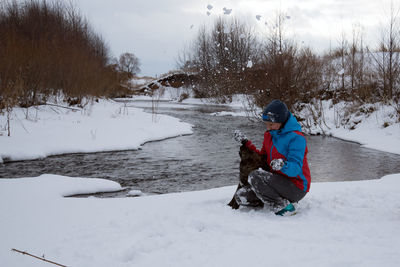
<point>36,257</point>
<point>53,109</point>
<point>22,124</point>
<point>74,109</point>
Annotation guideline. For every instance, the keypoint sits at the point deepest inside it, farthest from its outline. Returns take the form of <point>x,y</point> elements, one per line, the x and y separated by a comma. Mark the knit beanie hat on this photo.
<point>276,111</point>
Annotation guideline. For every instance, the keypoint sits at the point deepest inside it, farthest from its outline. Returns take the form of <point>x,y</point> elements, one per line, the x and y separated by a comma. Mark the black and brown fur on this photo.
<point>249,161</point>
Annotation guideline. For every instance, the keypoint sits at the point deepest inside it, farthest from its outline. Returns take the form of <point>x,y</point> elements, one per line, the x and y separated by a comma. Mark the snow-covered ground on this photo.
<point>104,126</point>
<point>376,129</point>
<point>337,224</point>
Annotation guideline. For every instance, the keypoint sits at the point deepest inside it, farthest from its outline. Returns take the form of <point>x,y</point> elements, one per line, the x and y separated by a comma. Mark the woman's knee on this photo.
<point>258,176</point>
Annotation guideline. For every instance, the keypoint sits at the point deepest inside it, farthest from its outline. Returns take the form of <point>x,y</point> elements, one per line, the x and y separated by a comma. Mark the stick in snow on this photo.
<point>59,106</point>
<point>43,259</point>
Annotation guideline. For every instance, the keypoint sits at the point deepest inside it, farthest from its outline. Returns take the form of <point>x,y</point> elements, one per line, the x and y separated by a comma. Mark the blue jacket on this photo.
<point>289,144</point>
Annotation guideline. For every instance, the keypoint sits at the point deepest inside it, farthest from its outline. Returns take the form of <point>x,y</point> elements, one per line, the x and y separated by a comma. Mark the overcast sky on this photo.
<point>156,30</point>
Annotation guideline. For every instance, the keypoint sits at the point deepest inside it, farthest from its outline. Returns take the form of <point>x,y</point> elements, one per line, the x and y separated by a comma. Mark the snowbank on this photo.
<point>338,224</point>
<point>103,126</point>
<point>50,186</point>
<point>376,129</point>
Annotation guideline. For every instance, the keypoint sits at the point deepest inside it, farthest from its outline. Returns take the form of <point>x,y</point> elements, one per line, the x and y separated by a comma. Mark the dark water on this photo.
<point>206,159</point>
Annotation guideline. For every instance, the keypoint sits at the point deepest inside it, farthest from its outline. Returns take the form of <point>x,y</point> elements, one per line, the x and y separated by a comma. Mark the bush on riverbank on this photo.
<point>48,47</point>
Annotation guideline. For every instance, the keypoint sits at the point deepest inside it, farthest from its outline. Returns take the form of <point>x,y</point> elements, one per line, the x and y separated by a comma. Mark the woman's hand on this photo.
<point>240,137</point>
<point>277,164</point>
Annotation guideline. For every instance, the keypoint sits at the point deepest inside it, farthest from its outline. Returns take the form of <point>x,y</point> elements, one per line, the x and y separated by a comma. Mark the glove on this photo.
<point>240,137</point>
<point>277,164</point>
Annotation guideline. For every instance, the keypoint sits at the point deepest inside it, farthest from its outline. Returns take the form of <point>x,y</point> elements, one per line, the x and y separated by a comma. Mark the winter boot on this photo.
<point>288,210</point>
<point>246,197</point>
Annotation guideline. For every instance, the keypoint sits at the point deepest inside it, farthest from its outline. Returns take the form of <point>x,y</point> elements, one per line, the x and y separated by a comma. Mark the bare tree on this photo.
<point>393,49</point>
<point>342,51</point>
<point>129,64</point>
<point>387,58</point>
<point>287,71</point>
<point>220,57</point>
<point>359,70</point>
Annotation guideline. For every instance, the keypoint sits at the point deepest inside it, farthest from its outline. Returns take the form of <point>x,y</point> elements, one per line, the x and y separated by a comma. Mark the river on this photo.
<point>206,159</point>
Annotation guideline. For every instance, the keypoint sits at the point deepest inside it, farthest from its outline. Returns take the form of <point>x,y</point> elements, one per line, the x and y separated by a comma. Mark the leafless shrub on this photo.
<point>48,46</point>
<point>313,116</point>
<point>220,57</point>
<point>129,64</point>
<point>287,71</point>
<point>347,73</point>
<point>387,57</point>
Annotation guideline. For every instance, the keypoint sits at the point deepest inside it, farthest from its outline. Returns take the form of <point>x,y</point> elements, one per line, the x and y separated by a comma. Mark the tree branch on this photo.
<point>43,259</point>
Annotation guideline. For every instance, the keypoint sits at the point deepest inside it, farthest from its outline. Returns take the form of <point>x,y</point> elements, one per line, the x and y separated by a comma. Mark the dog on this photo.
<point>249,161</point>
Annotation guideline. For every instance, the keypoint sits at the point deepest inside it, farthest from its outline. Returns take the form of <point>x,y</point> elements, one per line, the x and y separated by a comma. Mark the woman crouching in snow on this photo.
<point>284,152</point>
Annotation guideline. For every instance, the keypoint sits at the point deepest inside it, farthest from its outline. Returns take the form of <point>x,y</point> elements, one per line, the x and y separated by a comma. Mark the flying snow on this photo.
<point>250,64</point>
<point>227,11</point>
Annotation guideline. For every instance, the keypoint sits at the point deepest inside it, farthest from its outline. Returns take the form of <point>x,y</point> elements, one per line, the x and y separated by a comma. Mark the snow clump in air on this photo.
<point>227,11</point>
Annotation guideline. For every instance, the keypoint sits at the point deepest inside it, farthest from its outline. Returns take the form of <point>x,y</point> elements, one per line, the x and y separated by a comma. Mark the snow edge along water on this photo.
<point>106,126</point>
